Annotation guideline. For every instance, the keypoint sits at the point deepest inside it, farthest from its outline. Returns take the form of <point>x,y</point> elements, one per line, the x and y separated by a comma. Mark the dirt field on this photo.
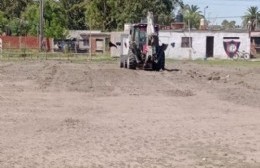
<point>57,114</point>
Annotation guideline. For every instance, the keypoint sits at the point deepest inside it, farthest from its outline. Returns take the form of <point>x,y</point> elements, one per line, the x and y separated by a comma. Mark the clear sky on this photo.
<point>218,10</point>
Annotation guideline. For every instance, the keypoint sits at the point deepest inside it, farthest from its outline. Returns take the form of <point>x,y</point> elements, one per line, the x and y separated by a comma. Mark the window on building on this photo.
<point>100,45</point>
<point>186,42</point>
<point>85,42</point>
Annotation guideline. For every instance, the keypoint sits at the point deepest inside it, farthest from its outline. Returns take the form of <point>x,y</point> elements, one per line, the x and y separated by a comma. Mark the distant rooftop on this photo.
<point>237,30</point>
<point>80,33</point>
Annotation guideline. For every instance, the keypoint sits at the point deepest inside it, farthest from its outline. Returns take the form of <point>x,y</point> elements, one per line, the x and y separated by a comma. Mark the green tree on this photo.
<point>251,18</point>
<point>18,27</point>
<point>14,8</point>
<point>103,14</point>
<point>11,12</point>
<point>55,21</point>
<point>3,22</point>
<point>31,14</point>
<point>112,14</point>
<point>228,24</point>
<point>74,13</point>
<point>192,16</point>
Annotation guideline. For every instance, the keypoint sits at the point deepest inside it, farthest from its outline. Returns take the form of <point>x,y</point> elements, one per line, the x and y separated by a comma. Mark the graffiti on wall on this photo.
<point>231,45</point>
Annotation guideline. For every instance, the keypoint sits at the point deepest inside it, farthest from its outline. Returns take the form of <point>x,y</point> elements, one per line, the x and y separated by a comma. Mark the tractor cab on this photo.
<point>138,35</point>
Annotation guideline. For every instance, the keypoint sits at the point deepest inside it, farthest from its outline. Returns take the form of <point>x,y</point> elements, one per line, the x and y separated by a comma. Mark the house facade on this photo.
<point>204,44</point>
<point>84,41</point>
<point>198,44</point>
<point>255,43</point>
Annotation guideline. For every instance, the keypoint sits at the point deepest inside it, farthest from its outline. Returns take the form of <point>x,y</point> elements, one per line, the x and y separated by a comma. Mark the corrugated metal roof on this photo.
<point>80,33</point>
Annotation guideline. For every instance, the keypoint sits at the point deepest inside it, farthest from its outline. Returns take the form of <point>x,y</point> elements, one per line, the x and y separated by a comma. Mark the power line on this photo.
<point>223,17</point>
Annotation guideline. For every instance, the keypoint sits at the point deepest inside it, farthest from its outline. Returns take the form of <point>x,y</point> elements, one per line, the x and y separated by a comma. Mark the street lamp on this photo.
<point>206,7</point>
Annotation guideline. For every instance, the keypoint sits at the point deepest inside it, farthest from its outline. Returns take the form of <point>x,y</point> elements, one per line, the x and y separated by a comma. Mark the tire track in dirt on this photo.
<point>103,82</point>
<point>138,83</point>
<point>67,77</point>
<point>161,84</point>
<point>3,71</point>
<point>54,76</point>
<point>6,65</point>
<point>237,85</point>
<point>73,79</point>
<point>46,76</point>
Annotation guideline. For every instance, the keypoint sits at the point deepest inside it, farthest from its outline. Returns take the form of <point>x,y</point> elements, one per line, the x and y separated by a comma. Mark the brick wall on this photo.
<point>93,45</point>
<point>15,42</point>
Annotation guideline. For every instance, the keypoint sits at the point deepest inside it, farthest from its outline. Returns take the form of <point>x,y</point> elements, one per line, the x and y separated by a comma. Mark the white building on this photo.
<point>204,44</point>
<point>197,44</point>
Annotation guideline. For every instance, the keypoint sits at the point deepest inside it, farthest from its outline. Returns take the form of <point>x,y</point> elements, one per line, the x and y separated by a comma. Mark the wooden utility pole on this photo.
<point>90,40</point>
<point>41,25</point>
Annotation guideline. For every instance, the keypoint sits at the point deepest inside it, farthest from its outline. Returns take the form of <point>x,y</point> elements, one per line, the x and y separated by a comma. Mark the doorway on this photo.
<point>209,46</point>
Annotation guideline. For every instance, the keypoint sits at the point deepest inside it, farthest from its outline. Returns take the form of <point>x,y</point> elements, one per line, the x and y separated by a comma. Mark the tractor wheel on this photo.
<point>161,62</point>
<point>131,61</point>
<point>125,63</point>
<point>122,60</point>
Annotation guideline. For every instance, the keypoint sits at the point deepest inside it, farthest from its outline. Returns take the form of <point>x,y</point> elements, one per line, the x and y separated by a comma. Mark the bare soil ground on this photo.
<point>78,115</point>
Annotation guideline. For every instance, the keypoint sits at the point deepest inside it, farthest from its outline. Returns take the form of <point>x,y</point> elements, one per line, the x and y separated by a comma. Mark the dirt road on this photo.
<point>70,115</point>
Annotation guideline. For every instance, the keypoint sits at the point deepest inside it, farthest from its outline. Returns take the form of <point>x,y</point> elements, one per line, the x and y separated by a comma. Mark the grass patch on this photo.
<point>106,58</point>
<point>73,57</point>
<point>231,63</point>
<point>219,62</point>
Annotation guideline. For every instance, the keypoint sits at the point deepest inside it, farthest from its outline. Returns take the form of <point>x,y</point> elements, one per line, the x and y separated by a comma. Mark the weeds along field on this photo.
<point>82,112</point>
<point>18,55</point>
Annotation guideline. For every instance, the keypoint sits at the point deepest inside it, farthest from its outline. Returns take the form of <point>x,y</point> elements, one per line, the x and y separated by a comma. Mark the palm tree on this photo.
<point>192,16</point>
<point>251,18</point>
